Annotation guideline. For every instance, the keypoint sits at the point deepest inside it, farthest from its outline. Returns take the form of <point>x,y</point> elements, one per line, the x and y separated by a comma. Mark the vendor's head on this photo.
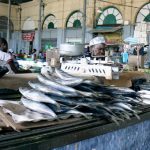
<point>3,45</point>
<point>97,46</point>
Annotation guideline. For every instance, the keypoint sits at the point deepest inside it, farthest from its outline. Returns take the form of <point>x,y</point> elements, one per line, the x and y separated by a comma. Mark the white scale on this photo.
<point>90,67</point>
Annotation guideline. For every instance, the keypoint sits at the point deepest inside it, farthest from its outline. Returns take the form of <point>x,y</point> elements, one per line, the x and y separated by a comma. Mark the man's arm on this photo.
<point>15,70</point>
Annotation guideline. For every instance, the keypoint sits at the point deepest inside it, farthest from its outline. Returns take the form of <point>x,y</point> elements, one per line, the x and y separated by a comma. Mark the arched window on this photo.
<point>110,16</point>
<point>29,24</point>
<point>147,18</point>
<point>110,19</point>
<point>51,25</point>
<point>77,24</point>
<point>144,14</point>
<point>74,20</point>
<point>3,23</point>
<point>49,22</point>
<point>3,26</point>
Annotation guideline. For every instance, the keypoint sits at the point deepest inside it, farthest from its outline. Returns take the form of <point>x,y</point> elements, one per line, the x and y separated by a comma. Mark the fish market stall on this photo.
<point>56,109</point>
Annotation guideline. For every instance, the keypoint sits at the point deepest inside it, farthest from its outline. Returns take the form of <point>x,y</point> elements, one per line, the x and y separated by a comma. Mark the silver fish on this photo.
<point>37,96</point>
<point>71,83</point>
<point>94,94</point>
<point>146,101</point>
<point>38,107</point>
<point>64,116</point>
<point>125,106</point>
<point>78,113</point>
<point>121,89</point>
<point>65,76</point>
<point>45,89</point>
<point>55,85</point>
<point>145,96</point>
<point>144,92</point>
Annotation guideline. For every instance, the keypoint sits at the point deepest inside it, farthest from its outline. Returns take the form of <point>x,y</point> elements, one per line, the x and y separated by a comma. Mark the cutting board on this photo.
<point>14,81</point>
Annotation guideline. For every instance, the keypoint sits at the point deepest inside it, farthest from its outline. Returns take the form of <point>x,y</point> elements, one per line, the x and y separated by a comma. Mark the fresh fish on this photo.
<point>144,92</point>
<point>120,111</point>
<point>145,96</point>
<point>122,89</point>
<point>73,102</point>
<point>146,101</point>
<point>55,85</point>
<point>71,83</point>
<point>65,76</point>
<point>37,96</point>
<point>123,105</point>
<point>122,99</point>
<point>78,113</point>
<point>64,116</point>
<point>45,89</point>
<point>145,87</point>
<point>109,111</point>
<point>38,107</point>
<point>126,107</point>
<point>116,108</point>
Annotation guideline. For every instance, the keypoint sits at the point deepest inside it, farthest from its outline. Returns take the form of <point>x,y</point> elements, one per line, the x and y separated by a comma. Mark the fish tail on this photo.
<point>115,120</point>
<point>137,116</point>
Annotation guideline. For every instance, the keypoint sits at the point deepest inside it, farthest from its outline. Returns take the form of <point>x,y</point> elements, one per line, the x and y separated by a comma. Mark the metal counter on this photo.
<point>58,136</point>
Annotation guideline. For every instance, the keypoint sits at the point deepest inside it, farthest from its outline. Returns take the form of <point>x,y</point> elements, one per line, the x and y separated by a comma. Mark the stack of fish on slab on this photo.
<point>33,99</point>
<point>61,95</point>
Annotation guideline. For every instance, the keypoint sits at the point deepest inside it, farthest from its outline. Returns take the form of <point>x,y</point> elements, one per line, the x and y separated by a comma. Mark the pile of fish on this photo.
<point>144,92</point>
<point>59,95</point>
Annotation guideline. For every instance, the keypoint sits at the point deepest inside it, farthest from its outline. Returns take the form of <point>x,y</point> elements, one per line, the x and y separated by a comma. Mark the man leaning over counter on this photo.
<point>6,59</point>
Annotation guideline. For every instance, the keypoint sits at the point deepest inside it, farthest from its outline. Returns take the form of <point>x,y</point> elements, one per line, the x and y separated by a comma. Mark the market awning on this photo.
<point>106,29</point>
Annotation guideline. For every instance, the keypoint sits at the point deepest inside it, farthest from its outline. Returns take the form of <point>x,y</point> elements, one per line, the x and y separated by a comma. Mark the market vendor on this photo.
<point>139,49</point>
<point>97,47</point>
<point>7,60</point>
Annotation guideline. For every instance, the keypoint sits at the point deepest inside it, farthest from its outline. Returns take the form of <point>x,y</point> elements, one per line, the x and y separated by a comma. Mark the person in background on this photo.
<point>13,56</point>
<point>7,60</point>
<point>125,56</point>
<point>41,56</point>
<point>33,54</point>
<point>139,48</point>
<point>97,47</point>
<point>21,55</point>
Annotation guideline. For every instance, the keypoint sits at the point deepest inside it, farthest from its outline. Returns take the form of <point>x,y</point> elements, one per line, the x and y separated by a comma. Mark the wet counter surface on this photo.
<point>61,135</point>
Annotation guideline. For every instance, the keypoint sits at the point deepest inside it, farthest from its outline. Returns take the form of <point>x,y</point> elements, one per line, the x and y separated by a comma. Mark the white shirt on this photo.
<point>4,59</point>
<point>5,56</point>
